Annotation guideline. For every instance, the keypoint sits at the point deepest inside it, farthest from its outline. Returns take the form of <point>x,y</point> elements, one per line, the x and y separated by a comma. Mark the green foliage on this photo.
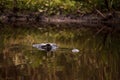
<point>51,6</point>
<point>59,6</point>
<point>115,4</point>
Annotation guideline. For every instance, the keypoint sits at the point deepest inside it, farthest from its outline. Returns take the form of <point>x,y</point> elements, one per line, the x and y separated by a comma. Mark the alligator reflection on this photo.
<point>96,60</point>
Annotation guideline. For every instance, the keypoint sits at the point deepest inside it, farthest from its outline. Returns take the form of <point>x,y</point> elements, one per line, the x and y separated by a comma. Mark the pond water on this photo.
<point>97,57</point>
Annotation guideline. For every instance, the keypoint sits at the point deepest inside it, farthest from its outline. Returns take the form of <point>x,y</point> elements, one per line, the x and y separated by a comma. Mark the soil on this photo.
<point>82,18</point>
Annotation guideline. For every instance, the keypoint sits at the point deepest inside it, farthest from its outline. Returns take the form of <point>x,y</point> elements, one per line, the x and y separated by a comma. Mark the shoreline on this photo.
<point>86,18</point>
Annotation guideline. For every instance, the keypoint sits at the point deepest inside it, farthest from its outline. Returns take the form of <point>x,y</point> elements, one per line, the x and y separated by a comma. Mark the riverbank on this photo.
<point>71,18</point>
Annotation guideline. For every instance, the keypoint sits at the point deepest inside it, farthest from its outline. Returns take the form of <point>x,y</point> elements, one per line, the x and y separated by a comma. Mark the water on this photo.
<point>98,57</point>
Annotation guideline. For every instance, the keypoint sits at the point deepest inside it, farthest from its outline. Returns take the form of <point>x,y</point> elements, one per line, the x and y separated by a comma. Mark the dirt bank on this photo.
<point>89,18</point>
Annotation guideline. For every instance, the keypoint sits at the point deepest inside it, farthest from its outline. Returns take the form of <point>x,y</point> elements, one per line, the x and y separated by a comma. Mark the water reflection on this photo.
<point>98,58</point>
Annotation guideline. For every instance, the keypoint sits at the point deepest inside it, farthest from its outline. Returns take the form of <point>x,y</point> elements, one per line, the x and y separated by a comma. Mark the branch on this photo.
<point>100,13</point>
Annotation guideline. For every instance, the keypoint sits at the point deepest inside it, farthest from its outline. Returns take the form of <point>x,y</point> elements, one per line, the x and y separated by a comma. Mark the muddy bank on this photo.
<point>88,18</point>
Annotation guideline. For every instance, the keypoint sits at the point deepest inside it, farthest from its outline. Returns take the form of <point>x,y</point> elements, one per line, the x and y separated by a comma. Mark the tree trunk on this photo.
<point>15,9</point>
<point>107,4</point>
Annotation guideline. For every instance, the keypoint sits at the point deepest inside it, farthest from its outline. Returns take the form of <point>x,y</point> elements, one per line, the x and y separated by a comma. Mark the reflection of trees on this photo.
<point>96,61</point>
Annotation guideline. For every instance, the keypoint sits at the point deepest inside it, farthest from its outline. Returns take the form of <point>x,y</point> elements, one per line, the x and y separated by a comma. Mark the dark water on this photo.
<point>98,58</point>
